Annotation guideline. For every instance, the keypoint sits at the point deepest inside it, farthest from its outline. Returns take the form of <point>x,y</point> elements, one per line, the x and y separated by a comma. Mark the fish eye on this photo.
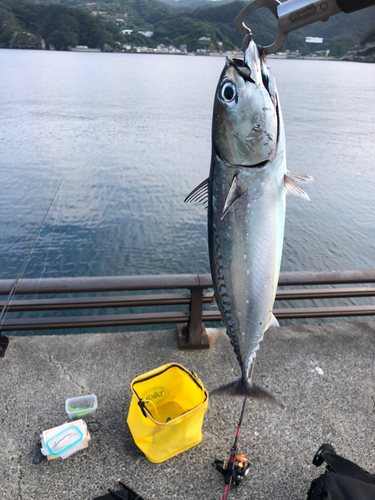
<point>228,92</point>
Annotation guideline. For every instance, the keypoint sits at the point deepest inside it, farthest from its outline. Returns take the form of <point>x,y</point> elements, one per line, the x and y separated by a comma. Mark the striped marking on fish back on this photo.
<point>225,300</point>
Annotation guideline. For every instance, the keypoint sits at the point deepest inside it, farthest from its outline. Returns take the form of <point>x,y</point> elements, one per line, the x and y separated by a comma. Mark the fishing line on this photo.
<point>50,240</point>
<point>228,473</point>
<point>15,285</point>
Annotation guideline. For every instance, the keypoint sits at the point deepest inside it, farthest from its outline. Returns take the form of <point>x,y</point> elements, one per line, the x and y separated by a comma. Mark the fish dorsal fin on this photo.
<point>272,322</point>
<point>199,194</point>
<point>293,188</point>
<point>299,176</point>
<point>234,194</point>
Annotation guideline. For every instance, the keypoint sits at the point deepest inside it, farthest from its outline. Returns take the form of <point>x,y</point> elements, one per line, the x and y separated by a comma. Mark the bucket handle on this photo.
<point>142,403</point>
<point>199,382</point>
<point>142,406</point>
<point>154,406</point>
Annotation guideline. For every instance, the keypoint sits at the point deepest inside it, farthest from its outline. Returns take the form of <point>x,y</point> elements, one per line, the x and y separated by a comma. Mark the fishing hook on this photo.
<point>239,23</point>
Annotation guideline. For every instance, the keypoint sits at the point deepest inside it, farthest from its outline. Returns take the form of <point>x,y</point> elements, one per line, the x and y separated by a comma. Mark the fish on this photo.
<point>62,440</point>
<point>245,196</point>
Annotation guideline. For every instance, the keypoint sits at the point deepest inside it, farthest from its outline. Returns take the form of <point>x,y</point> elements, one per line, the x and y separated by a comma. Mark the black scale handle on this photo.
<point>349,6</point>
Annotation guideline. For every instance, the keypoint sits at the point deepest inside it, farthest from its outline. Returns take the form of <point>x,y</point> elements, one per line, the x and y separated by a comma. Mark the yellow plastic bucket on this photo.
<point>166,411</point>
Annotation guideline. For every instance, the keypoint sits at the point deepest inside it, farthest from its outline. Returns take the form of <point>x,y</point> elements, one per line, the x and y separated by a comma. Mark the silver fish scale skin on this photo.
<point>245,251</point>
<point>223,300</point>
<point>246,206</point>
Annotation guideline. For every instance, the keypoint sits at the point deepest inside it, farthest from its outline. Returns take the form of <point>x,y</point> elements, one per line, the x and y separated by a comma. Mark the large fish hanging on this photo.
<point>245,195</point>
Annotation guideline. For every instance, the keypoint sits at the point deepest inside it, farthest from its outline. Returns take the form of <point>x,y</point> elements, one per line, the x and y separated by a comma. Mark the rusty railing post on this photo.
<point>193,334</point>
<point>4,341</point>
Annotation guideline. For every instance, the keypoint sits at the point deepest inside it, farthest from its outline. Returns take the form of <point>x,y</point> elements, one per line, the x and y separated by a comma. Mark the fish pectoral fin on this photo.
<point>272,322</point>
<point>199,194</point>
<point>234,194</point>
<point>293,188</point>
<point>299,177</point>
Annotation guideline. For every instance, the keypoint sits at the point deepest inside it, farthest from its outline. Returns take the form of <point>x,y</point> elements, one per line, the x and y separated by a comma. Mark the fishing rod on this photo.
<point>15,285</point>
<point>237,467</point>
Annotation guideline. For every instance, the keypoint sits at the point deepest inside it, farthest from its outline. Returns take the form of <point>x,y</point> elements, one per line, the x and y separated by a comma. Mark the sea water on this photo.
<point>130,134</point>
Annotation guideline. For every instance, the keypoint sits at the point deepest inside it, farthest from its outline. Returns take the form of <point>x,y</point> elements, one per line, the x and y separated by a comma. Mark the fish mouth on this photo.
<point>237,63</point>
<point>241,68</point>
<point>239,165</point>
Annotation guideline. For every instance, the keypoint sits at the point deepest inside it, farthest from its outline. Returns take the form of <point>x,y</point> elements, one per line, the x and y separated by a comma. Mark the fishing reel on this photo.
<point>238,470</point>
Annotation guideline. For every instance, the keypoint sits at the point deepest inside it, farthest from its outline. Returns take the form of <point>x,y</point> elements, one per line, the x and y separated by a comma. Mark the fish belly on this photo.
<point>245,253</point>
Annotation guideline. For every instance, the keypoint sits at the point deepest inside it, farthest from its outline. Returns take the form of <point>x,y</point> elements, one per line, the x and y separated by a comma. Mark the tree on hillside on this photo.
<point>59,26</point>
<point>8,26</point>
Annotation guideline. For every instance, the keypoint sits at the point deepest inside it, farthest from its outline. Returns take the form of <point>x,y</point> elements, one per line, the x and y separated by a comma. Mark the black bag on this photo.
<point>342,480</point>
<point>124,494</point>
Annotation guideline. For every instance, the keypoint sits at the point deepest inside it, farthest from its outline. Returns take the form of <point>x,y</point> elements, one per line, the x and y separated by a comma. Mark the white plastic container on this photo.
<point>64,440</point>
<point>81,407</point>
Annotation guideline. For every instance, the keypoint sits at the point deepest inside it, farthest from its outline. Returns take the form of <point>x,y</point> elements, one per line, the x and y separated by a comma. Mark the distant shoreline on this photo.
<point>208,54</point>
<point>191,54</point>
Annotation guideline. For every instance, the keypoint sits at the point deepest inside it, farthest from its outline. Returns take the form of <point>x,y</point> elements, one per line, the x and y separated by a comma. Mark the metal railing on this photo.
<point>190,322</point>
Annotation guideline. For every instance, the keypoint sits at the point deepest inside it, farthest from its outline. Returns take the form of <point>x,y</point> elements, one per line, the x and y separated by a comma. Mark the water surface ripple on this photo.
<point>131,135</point>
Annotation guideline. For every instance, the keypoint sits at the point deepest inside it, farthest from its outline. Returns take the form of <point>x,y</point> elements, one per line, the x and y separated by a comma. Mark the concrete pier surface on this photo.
<point>324,374</point>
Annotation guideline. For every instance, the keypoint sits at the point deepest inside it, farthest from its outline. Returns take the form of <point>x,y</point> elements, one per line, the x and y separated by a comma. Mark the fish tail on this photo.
<point>245,387</point>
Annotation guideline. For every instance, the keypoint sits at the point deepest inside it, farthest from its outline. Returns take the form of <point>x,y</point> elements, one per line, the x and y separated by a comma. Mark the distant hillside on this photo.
<point>175,4</point>
<point>193,4</point>
<point>207,27</point>
<point>364,51</point>
<point>339,32</point>
<point>140,14</point>
<point>24,25</point>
